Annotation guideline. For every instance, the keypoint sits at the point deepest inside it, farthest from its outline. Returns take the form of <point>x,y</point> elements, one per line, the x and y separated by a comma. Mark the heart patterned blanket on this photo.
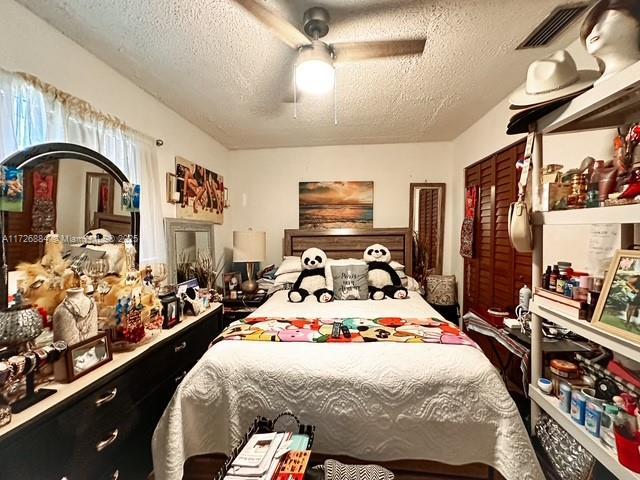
<point>384,329</point>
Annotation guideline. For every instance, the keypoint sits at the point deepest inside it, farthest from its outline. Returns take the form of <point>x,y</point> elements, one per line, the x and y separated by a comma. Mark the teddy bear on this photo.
<point>383,279</point>
<point>312,280</point>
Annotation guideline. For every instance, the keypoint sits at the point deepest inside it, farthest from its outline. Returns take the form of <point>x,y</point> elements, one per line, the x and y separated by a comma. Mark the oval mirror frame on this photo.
<point>38,154</point>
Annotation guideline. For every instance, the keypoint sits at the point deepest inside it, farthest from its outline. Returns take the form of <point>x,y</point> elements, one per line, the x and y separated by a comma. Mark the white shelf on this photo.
<point>614,102</point>
<point>605,455</point>
<point>586,216</point>
<point>587,330</point>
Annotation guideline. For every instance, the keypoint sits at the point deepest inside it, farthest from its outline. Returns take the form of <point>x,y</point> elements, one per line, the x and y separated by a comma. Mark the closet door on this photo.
<point>493,277</point>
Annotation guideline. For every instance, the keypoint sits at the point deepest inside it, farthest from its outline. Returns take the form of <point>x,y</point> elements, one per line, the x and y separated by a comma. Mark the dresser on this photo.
<point>100,426</point>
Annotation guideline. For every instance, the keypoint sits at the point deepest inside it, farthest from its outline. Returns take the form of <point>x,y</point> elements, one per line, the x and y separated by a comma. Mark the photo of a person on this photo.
<point>199,191</point>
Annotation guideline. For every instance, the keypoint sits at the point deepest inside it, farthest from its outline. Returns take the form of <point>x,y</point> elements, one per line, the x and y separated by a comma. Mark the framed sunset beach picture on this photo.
<point>326,205</point>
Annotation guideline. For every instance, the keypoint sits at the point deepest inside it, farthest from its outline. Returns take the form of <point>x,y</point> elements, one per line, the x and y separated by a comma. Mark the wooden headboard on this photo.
<point>115,224</point>
<point>350,243</point>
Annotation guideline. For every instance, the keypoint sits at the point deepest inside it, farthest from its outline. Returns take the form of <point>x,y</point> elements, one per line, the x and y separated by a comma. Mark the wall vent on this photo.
<point>552,26</point>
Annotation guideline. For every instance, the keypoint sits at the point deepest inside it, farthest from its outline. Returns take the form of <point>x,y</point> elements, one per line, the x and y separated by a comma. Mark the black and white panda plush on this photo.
<point>383,279</point>
<point>311,280</point>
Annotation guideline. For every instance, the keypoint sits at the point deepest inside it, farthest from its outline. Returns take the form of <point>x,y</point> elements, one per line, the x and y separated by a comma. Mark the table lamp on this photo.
<point>249,247</point>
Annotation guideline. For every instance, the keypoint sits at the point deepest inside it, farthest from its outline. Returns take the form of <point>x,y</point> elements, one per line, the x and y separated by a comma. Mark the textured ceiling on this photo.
<point>215,65</point>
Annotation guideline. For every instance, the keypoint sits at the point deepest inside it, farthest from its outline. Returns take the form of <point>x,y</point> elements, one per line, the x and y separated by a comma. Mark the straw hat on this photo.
<point>552,78</point>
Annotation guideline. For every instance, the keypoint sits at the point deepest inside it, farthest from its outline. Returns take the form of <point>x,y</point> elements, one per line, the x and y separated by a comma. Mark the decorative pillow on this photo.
<point>289,265</point>
<point>349,282</point>
<point>342,261</point>
<point>441,290</point>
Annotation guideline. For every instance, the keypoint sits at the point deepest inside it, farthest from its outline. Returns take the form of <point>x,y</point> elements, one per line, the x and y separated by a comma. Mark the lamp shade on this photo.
<point>249,246</point>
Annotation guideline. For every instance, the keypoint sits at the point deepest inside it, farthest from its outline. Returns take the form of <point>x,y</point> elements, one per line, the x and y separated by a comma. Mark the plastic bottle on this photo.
<point>553,278</point>
<point>546,278</point>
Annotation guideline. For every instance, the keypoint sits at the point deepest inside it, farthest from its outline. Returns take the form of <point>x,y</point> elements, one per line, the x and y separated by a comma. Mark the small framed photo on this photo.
<point>86,356</point>
<point>232,281</point>
<point>170,310</point>
<point>130,198</point>
<point>618,309</point>
<point>173,195</point>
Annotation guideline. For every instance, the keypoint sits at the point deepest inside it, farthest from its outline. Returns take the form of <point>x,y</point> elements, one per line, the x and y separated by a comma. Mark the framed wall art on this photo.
<point>201,192</point>
<point>326,205</point>
<point>618,309</point>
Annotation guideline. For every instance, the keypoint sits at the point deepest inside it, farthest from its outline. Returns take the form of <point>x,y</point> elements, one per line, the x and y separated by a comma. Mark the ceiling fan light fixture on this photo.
<point>315,73</point>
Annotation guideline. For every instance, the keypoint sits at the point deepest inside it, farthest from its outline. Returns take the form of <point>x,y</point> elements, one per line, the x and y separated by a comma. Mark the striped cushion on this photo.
<point>334,470</point>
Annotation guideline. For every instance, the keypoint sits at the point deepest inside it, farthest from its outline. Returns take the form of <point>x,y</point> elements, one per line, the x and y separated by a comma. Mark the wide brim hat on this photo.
<point>552,78</point>
<point>521,120</point>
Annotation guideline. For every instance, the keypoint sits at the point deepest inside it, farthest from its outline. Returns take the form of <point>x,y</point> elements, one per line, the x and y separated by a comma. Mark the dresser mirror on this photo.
<point>70,190</point>
<point>426,220</point>
<point>188,241</point>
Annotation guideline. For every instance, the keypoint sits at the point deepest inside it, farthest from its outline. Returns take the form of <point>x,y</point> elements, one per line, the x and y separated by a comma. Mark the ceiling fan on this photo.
<point>314,71</point>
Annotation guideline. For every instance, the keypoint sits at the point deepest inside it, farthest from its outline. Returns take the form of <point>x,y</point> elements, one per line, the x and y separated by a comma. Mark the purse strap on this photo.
<point>526,166</point>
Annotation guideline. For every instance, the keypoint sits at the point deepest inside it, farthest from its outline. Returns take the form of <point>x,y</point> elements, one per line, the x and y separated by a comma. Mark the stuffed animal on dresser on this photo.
<point>312,280</point>
<point>383,279</point>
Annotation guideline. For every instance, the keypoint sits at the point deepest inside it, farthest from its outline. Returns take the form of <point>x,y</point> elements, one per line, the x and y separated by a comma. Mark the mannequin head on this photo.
<point>611,33</point>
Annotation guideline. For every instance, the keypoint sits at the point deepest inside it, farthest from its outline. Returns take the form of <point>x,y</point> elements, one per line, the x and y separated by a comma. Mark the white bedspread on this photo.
<point>374,401</point>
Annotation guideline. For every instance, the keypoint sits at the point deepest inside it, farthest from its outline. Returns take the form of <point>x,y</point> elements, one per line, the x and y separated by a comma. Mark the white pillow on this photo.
<point>410,283</point>
<point>289,265</point>
<point>290,277</point>
<point>397,266</point>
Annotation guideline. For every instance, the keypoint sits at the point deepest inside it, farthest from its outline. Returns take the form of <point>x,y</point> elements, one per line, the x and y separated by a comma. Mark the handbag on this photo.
<point>519,221</point>
<point>19,324</point>
<point>468,224</point>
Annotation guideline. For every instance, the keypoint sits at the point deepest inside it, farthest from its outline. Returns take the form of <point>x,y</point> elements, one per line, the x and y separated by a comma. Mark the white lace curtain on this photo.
<point>33,112</point>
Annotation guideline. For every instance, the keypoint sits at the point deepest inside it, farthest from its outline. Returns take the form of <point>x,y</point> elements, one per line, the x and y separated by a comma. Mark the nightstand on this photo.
<point>241,307</point>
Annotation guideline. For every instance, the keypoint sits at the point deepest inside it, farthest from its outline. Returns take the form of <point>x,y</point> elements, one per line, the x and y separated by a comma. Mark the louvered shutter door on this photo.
<point>485,235</point>
<point>505,183</point>
<point>496,273</point>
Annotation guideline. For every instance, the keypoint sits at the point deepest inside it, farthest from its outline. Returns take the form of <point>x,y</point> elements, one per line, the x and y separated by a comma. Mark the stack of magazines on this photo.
<point>261,456</point>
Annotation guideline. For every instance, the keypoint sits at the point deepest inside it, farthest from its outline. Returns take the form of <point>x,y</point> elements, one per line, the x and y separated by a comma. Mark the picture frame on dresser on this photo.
<point>84,357</point>
<point>618,308</point>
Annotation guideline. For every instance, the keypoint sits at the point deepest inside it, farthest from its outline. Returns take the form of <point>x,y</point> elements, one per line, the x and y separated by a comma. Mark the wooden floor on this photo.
<point>203,467</point>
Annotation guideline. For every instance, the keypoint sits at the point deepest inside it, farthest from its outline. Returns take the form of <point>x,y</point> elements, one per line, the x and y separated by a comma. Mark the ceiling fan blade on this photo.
<point>278,25</point>
<point>354,51</point>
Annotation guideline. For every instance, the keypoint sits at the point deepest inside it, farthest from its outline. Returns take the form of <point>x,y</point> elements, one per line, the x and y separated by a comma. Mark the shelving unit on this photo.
<point>613,103</point>
<point>586,330</point>
<point>589,216</point>
<point>605,455</point>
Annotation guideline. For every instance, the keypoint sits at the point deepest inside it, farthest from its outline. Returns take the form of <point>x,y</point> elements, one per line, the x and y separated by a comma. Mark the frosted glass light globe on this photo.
<point>314,70</point>
<point>315,77</point>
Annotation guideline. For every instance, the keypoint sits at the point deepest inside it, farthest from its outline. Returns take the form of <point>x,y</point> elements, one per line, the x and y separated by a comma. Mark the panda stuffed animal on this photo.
<point>311,280</point>
<point>383,279</point>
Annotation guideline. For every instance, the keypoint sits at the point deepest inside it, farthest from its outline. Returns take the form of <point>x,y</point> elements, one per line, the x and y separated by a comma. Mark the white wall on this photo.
<point>488,136</point>
<point>31,45</point>
<point>264,183</point>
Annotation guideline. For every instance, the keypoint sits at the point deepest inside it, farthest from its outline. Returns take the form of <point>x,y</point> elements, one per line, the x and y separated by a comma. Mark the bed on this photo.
<point>372,401</point>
